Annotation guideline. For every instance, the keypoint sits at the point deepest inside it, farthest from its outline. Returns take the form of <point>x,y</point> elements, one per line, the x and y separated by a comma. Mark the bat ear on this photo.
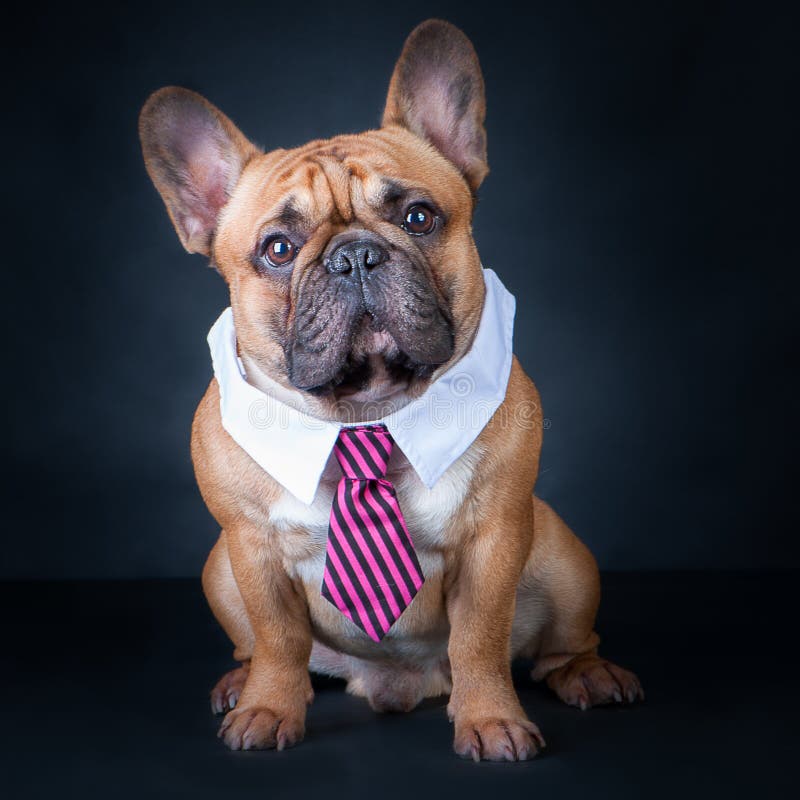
<point>194,155</point>
<point>437,93</point>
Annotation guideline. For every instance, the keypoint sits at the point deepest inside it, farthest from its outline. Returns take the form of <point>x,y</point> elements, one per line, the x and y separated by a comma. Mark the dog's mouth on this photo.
<point>374,369</point>
<point>371,338</point>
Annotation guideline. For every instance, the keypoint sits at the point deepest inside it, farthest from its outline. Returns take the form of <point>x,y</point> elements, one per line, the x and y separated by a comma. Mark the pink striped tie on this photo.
<point>371,569</point>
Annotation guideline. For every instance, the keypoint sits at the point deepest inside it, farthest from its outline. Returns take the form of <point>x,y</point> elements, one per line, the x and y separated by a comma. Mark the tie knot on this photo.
<point>363,452</point>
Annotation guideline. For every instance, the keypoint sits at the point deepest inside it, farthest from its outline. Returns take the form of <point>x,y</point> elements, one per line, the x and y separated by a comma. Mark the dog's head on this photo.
<point>350,261</point>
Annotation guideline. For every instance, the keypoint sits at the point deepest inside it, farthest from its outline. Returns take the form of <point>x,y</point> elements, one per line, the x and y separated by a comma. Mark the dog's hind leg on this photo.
<point>227,606</point>
<point>557,601</point>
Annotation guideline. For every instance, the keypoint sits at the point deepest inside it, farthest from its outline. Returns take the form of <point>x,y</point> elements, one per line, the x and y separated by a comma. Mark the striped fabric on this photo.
<point>371,569</point>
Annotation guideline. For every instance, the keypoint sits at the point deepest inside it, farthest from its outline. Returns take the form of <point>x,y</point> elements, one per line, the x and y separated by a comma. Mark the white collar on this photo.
<point>432,431</point>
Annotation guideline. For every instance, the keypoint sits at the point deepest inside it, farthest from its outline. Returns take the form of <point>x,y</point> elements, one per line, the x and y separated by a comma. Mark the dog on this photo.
<point>357,292</point>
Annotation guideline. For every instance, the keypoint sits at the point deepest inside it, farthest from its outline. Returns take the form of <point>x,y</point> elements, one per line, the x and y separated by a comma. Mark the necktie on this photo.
<point>371,570</point>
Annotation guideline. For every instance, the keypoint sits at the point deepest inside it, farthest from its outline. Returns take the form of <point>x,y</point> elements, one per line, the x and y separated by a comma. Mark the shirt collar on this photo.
<point>432,431</point>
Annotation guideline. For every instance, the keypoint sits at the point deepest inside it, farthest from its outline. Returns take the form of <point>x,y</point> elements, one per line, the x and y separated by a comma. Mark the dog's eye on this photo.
<point>419,220</point>
<point>278,251</point>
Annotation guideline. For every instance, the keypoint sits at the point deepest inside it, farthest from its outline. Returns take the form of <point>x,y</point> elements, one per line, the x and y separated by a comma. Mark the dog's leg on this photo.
<point>557,601</point>
<point>227,606</point>
<point>267,619</point>
<point>489,720</point>
<point>226,603</point>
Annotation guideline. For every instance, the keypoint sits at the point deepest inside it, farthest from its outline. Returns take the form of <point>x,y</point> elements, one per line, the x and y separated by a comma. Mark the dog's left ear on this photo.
<point>437,93</point>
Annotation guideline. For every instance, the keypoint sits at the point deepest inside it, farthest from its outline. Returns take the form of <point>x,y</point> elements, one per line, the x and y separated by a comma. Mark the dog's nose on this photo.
<point>359,256</point>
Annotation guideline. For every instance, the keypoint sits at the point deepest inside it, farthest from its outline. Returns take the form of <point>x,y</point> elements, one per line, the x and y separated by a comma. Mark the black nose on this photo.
<point>355,257</point>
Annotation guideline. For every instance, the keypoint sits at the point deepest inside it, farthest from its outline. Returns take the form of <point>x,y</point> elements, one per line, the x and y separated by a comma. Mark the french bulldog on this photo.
<point>354,280</point>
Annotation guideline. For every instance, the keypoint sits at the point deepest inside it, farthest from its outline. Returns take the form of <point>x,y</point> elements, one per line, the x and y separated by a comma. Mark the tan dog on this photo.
<point>505,577</point>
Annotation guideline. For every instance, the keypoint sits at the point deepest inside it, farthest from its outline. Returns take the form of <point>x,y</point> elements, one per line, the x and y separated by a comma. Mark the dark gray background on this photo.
<point>641,206</point>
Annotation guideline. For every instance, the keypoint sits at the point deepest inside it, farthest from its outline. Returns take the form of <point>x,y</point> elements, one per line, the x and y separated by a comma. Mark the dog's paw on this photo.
<point>592,681</point>
<point>259,728</point>
<point>497,739</point>
<point>225,694</point>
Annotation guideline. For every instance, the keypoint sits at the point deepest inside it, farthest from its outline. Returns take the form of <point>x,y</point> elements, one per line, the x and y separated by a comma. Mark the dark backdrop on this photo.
<point>641,206</point>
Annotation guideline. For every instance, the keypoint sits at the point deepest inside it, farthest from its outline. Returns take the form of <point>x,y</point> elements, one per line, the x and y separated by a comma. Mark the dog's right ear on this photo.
<point>194,155</point>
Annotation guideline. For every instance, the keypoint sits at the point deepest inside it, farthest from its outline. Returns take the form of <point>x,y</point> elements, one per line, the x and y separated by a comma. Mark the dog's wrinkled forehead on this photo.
<point>347,180</point>
<point>328,184</point>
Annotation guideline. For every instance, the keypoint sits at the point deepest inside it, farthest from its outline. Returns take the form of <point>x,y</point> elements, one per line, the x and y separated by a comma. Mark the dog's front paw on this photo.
<point>592,681</point>
<point>497,739</point>
<point>225,694</point>
<point>259,728</point>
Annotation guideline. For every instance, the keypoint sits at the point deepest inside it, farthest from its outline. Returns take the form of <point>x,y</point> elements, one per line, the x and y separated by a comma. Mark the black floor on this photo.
<point>105,690</point>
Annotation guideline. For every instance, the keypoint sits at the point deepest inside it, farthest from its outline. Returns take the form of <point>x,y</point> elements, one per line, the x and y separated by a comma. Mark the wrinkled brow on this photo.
<point>290,216</point>
<point>392,191</point>
<point>394,195</point>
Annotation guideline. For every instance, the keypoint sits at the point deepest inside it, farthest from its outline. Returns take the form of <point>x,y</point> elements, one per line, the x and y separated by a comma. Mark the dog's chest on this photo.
<point>428,514</point>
